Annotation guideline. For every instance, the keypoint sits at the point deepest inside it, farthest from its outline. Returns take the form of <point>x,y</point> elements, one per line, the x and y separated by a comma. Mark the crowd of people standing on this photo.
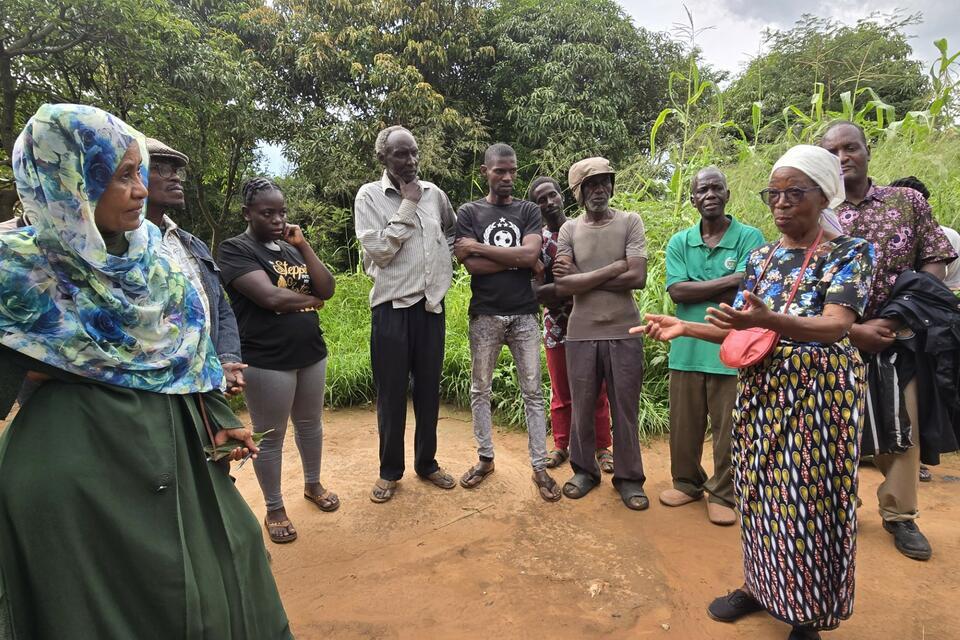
<point>113,313</point>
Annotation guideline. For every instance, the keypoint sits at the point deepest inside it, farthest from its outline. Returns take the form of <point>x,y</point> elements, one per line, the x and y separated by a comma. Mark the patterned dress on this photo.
<point>796,442</point>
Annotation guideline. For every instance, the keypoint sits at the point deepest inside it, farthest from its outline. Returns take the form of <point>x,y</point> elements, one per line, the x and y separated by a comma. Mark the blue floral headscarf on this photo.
<point>132,320</point>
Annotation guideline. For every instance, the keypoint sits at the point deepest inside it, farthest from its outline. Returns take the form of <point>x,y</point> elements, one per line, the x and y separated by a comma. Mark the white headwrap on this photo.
<point>823,168</point>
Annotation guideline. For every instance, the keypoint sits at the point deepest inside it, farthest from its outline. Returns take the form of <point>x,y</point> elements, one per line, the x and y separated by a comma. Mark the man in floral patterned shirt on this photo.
<point>545,192</point>
<point>900,225</point>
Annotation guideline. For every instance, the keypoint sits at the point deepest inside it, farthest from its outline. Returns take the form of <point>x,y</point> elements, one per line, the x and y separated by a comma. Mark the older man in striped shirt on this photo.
<point>406,227</point>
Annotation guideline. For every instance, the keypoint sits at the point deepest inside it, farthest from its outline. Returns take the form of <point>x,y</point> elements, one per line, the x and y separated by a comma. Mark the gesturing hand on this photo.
<point>660,327</point>
<point>755,314</point>
<point>245,443</point>
<point>411,191</point>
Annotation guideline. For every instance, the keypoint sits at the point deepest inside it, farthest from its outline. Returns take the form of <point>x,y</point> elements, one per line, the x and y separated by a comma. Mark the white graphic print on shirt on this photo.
<point>502,233</point>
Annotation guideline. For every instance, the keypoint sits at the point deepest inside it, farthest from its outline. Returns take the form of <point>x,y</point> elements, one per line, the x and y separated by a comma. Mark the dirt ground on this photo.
<point>498,562</point>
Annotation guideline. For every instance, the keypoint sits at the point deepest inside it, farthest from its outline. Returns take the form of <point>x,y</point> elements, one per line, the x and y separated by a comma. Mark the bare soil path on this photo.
<point>498,562</point>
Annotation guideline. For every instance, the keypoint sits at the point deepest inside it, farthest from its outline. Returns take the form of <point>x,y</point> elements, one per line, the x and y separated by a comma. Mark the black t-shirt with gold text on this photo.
<point>271,340</point>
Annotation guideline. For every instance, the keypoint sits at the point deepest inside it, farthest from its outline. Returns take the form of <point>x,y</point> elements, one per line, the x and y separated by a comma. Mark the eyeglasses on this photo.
<point>166,170</point>
<point>793,195</point>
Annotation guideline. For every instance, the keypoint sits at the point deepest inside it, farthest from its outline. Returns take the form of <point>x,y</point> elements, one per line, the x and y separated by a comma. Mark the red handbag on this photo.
<point>746,347</point>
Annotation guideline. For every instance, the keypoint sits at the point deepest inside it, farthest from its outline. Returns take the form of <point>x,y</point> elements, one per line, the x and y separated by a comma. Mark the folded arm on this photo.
<point>256,286</point>
<point>523,257</point>
<point>717,290</point>
<point>635,277</point>
<point>569,282</point>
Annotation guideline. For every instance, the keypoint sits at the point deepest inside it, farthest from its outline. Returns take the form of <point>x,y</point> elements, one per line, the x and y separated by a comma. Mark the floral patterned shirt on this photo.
<point>840,272</point>
<point>899,223</point>
<point>554,319</point>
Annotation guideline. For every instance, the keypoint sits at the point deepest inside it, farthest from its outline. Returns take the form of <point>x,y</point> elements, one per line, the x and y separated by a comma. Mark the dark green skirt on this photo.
<point>114,525</point>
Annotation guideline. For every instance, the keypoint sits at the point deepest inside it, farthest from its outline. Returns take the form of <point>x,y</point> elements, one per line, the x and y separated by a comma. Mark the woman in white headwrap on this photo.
<point>797,419</point>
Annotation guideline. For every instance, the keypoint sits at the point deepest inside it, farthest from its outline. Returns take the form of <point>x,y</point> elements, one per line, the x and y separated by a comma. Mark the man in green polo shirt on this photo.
<point>705,265</point>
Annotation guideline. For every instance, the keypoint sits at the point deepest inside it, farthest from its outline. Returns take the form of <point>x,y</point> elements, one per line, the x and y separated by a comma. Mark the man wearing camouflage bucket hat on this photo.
<point>601,259</point>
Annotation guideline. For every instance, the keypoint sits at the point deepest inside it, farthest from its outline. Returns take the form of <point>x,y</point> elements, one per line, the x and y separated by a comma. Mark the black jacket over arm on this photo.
<point>932,356</point>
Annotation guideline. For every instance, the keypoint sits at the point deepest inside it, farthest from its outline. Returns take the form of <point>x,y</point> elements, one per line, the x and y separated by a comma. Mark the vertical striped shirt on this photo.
<point>407,245</point>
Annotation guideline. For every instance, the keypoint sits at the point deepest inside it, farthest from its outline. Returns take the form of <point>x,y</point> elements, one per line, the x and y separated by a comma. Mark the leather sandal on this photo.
<point>556,458</point>
<point>579,485</point>
<point>441,479</point>
<point>476,474</point>
<point>383,490</point>
<point>547,486</point>
<point>327,500</point>
<point>605,460</point>
<point>275,530</point>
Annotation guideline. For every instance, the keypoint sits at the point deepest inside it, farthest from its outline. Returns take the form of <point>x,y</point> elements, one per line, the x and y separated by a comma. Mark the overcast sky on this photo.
<point>738,24</point>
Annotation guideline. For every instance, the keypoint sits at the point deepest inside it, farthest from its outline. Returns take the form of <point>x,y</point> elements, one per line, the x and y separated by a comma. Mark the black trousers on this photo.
<point>406,352</point>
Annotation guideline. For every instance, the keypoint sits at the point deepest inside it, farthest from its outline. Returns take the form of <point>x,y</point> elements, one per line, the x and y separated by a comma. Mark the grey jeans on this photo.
<point>273,397</point>
<point>521,334</point>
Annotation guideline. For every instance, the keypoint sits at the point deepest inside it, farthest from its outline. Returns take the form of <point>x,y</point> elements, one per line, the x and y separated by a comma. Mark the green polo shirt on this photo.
<point>688,259</point>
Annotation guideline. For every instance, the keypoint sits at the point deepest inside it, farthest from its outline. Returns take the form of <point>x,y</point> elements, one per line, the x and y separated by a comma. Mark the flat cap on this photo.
<point>157,149</point>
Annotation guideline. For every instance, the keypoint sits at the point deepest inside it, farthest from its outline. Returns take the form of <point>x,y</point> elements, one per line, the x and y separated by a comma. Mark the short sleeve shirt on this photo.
<point>899,224</point>
<point>690,260</point>
<point>506,293</point>
<point>840,272</point>
<point>598,314</point>
<point>271,340</point>
<point>555,319</point>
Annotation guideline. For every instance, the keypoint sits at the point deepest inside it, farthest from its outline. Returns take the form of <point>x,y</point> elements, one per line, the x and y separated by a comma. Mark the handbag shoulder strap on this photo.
<point>803,270</point>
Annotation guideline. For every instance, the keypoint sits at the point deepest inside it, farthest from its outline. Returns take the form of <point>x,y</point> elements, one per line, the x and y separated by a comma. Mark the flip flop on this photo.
<point>633,496</point>
<point>383,490</point>
<point>327,501</point>
<point>547,487</point>
<point>440,478</point>
<point>475,475</point>
<point>579,485</point>
<point>273,529</point>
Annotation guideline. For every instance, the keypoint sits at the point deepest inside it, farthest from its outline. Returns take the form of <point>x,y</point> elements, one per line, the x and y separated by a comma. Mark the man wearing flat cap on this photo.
<point>601,259</point>
<point>165,195</point>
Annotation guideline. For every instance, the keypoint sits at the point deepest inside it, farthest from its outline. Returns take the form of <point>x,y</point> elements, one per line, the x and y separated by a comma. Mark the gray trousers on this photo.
<point>272,398</point>
<point>695,396</point>
<point>620,364</point>
<point>521,334</point>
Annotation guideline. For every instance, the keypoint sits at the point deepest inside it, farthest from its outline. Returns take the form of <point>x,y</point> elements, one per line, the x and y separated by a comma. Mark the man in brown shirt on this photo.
<point>601,259</point>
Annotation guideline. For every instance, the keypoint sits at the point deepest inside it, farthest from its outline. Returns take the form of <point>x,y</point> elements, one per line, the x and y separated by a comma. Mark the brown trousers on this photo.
<point>620,364</point>
<point>694,397</point>
<point>897,493</point>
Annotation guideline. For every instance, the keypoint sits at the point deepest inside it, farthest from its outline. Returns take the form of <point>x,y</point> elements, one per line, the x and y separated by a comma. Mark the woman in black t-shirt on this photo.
<point>276,283</point>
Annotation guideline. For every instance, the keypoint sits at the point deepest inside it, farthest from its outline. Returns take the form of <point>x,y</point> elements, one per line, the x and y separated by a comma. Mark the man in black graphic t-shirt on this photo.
<point>498,241</point>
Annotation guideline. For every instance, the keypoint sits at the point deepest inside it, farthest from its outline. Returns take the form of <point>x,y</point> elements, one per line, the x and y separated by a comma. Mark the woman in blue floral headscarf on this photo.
<point>114,523</point>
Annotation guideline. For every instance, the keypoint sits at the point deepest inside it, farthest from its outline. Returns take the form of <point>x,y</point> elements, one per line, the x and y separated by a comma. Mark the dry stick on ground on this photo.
<point>473,512</point>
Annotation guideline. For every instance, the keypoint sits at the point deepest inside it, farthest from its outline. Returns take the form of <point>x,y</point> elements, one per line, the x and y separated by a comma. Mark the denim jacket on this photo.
<point>223,324</point>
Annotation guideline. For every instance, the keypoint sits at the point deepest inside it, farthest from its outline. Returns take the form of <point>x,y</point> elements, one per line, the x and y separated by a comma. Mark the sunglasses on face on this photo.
<point>793,195</point>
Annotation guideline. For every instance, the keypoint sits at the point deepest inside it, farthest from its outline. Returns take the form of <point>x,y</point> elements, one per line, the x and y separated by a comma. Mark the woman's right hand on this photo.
<point>660,327</point>
<point>294,235</point>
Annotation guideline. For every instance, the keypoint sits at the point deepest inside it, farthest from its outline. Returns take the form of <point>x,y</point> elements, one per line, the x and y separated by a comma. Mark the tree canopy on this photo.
<point>557,80</point>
